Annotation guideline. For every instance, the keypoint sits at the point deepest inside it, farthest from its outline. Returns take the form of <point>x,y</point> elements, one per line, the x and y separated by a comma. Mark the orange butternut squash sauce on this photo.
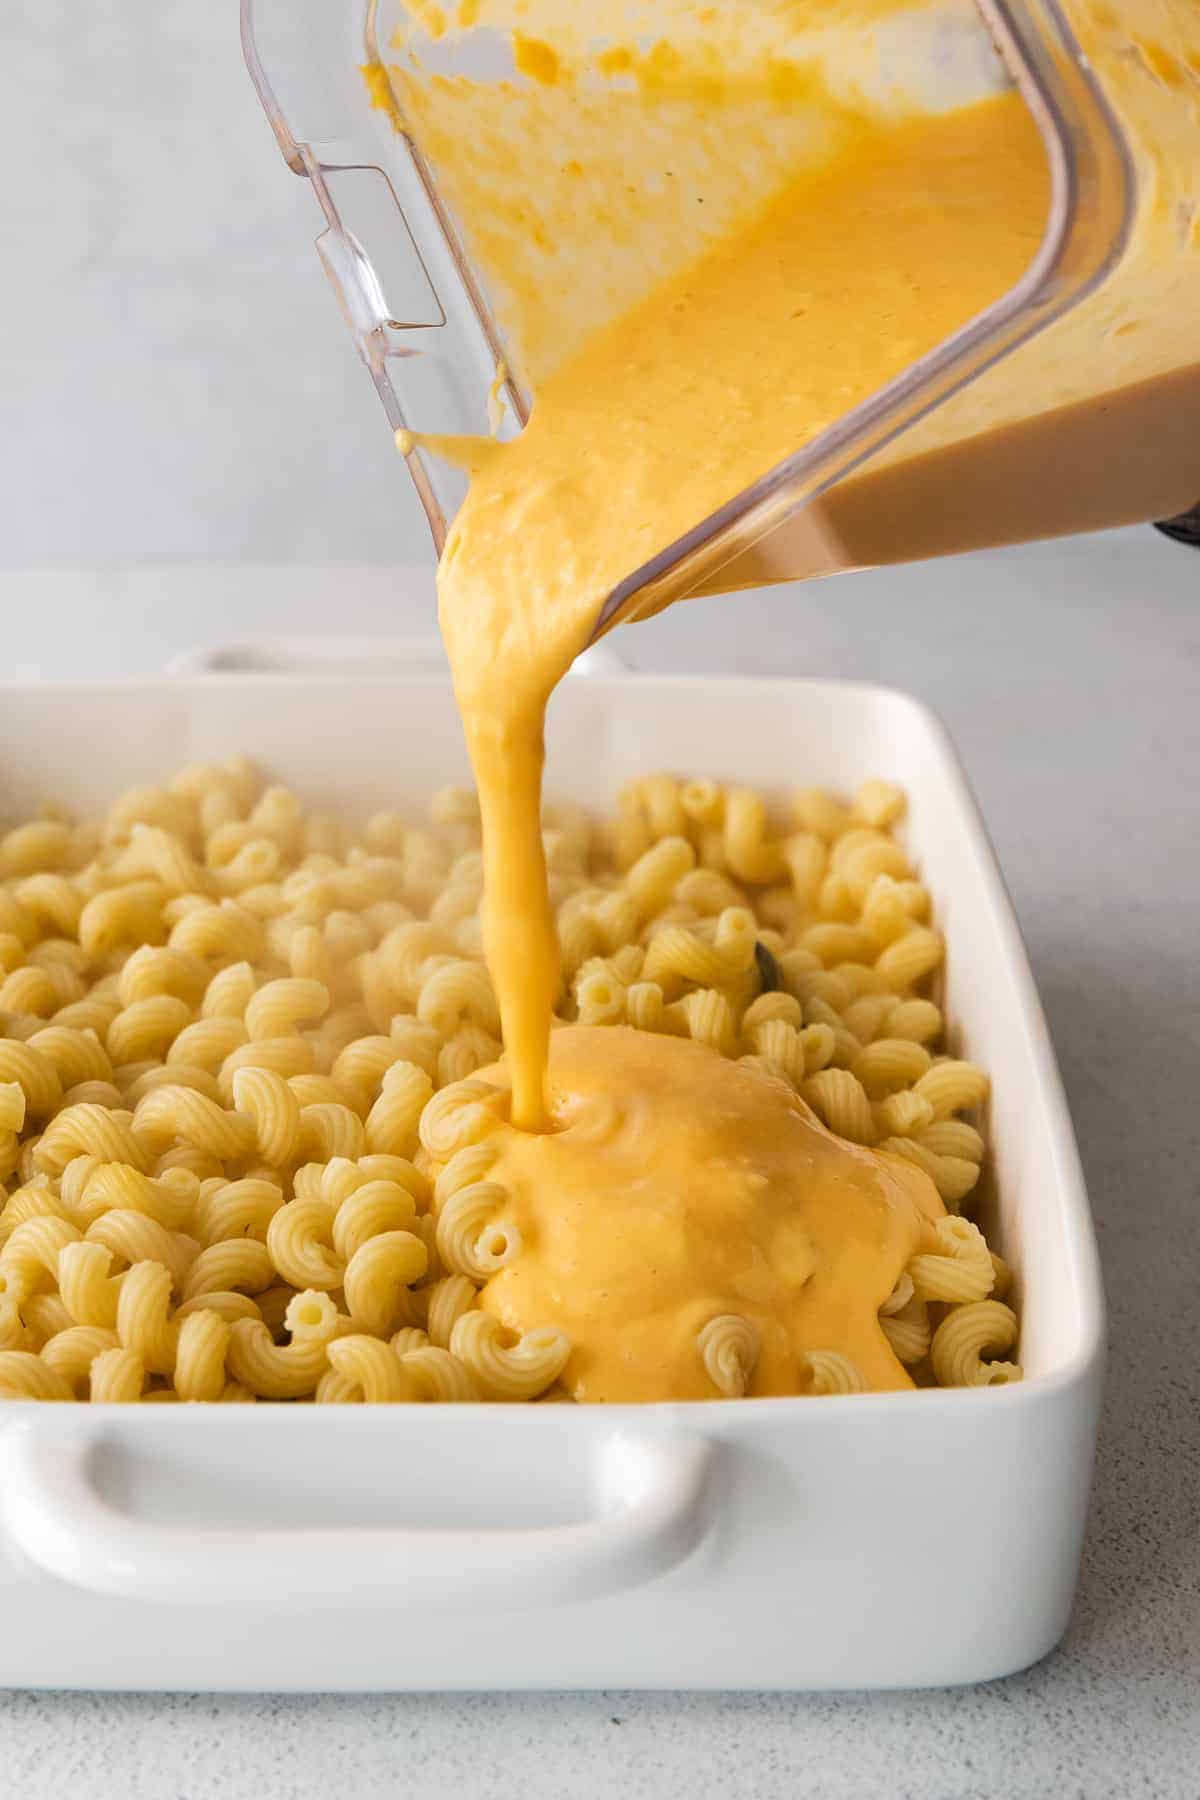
<point>674,1183</point>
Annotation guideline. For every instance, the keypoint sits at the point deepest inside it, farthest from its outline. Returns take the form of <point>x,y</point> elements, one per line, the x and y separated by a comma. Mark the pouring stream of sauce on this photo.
<point>742,1203</point>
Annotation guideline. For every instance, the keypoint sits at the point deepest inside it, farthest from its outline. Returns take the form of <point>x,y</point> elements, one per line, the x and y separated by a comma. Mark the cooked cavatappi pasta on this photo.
<point>247,1150</point>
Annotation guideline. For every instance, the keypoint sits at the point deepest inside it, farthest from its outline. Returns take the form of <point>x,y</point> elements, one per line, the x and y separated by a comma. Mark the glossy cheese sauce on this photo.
<point>676,1187</point>
<point>657,1184</point>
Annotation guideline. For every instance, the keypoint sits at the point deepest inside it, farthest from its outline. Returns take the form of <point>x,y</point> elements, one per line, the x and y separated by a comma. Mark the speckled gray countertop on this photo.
<point>189,453</point>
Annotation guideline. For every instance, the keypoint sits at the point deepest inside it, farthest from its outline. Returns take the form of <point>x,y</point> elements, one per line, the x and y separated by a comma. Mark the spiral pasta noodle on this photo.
<point>202,1344</point>
<point>222,931</point>
<point>140,1079</point>
<point>519,1369</point>
<point>456,993</point>
<point>839,1098</point>
<point>36,1200</point>
<point>134,1237</point>
<point>91,1130</point>
<point>645,1007</point>
<point>438,1375</point>
<point>470,1048</point>
<point>471,1239</point>
<point>903,1114</point>
<point>656,874</point>
<point>959,1269</point>
<point>42,844</point>
<point>952,1176</point>
<point>44,1315</point>
<point>227,1305</point>
<point>129,915</point>
<point>179,1115</point>
<point>370,1369</point>
<point>274,1371</point>
<point>228,992</point>
<point>600,998</point>
<point>286,1057</point>
<point>232,1264</point>
<point>208,1041</point>
<point>393,1123</point>
<point>145,1028</point>
<point>708,1018</point>
<point>729,1346</point>
<point>77,1055</point>
<point>29,1259</point>
<point>13,1329</point>
<point>829,1372</point>
<point>373,1207</point>
<point>72,1351</point>
<point>265,1098</point>
<point>676,955</point>
<point>904,1320</point>
<point>966,1344</point>
<point>117,1377</point>
<point>377,1275</point>
<point>112,1186</point>
<point>365,1061</point>
<point>33,1071</point>
<point>280,1007</point>
<point>300,1245</point>
<point>24,1376</point>
<point>88,1290</point>
<point>458,1116</point>
<point>143,1317</point>
<point>446,1302</point>
<point>752,854</point>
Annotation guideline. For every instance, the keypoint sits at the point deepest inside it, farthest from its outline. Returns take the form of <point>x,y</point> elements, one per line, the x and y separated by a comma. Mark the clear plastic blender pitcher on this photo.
<point>1072,402</point>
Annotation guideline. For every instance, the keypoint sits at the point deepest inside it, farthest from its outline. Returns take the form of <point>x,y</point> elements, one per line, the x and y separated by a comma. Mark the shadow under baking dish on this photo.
<point>877,1540</point>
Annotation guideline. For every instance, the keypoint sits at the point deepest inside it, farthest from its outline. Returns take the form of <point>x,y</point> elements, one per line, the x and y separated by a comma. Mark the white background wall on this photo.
<point>176,382</point>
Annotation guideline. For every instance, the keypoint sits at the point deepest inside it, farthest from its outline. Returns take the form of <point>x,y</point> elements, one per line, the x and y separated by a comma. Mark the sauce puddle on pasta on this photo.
<point>680,1197</point>
<point>655,1185</point>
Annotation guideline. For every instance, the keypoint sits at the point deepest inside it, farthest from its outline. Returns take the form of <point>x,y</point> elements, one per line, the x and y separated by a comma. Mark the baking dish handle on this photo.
<point>650,1514</point>
<point>278,654</point>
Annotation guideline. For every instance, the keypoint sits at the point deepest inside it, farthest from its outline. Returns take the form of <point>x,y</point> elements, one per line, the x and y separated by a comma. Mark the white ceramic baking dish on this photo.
<point>881,1540</point>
